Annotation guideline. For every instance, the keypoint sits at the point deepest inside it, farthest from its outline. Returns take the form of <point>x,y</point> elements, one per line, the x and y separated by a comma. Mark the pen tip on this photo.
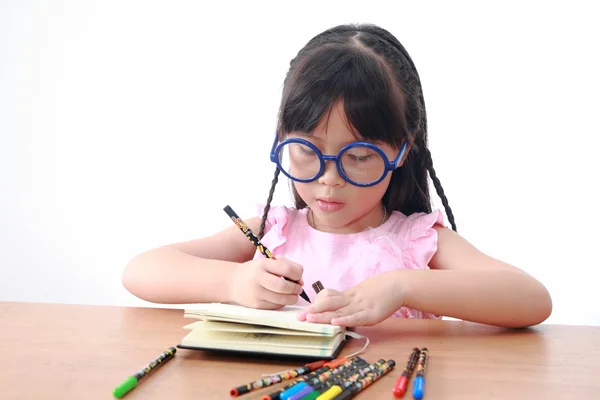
<point>305,296</point>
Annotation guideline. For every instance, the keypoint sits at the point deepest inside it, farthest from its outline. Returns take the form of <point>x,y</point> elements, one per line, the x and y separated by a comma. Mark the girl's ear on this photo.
<point>409,144</point>
<point>405,155</point>
<point>407,148</point>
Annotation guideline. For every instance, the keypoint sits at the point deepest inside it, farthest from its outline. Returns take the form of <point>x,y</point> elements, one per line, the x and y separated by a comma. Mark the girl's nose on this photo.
<point>331,175</point>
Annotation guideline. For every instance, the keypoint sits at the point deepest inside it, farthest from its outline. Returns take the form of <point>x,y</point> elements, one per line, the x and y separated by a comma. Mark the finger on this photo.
<point>360,318</point>
<point>327,300</point>
<point>266,305</point>
<point>278,298</point>
<point>277,284</point>
<point>286,268</point>
<point>322,318</point>
<point>346,308</point>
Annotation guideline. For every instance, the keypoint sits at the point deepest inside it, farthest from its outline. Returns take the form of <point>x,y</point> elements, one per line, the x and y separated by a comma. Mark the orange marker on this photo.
<point>402,381</point>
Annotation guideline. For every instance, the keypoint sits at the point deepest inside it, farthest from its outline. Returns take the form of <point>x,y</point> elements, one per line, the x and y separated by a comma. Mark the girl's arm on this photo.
<point>464,283</point>
<point>195,271</point>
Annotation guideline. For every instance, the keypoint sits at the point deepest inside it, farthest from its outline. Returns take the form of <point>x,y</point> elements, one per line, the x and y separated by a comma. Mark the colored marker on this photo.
<point>335,372</point>
<point>292,392</point>
<point>274,379</point>
<point>331,393</point>
<point>302,393</point>
<point>355,381</point>
<point>132,381</point>
<point>250,235</point>
<point>367,381</point>
<point>402,381</point>
<point>314,390</point>
<point>419,382</point>
<point>330,365</point>
<point>343,381</point>
<point>363,373</point>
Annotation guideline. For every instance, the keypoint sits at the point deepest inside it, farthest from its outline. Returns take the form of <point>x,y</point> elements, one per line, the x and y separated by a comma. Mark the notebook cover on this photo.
<point>260,354</point>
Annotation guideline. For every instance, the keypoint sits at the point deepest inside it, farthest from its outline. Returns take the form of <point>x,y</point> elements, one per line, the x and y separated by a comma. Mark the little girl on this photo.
<point>352,137</point>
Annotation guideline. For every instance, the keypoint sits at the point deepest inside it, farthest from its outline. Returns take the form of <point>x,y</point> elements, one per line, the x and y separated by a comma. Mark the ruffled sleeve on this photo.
<point>422,237</point>
<point>275,227</point>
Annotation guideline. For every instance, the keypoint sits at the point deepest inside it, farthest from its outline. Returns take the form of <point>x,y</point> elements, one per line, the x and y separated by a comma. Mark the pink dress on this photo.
<point>341,261</point>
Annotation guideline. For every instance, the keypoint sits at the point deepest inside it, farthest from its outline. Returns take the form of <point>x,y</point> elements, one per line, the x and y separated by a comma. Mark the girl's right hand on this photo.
<point>259,283</point>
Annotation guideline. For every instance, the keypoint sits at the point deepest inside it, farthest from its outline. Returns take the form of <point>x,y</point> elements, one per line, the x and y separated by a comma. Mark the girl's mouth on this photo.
<point>329,205</point>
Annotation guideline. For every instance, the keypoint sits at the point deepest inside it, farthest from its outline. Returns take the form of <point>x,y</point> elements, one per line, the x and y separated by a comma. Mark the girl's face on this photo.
<point>337,205</point>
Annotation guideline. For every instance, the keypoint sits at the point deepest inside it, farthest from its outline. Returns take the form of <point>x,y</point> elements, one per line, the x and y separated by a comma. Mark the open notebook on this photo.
<point>233,328</point>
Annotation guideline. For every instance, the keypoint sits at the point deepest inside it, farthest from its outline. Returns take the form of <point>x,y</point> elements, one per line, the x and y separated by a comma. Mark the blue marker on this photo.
<point>419,382</point>
<point>293,390</point>
<point>300,394</point>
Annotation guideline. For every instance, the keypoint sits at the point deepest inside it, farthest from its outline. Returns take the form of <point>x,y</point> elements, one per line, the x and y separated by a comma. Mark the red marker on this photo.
<point>402,381</point>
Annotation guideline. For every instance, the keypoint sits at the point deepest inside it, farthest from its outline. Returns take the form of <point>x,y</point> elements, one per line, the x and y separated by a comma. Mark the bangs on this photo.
<point>373,102</point>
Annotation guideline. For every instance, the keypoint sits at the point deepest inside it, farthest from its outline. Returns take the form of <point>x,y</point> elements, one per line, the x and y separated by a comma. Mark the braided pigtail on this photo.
<point>263,220</point>
<point>439,189</point>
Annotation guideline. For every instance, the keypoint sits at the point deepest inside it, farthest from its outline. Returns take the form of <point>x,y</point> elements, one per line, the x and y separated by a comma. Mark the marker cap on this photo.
<point>293,390</point>
<point>125,387</point>
<point>418,386</point>
<point>400,387</point>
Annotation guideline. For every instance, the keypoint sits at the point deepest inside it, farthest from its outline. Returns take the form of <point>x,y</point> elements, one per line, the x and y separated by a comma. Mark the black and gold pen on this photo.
<point>250,235</point>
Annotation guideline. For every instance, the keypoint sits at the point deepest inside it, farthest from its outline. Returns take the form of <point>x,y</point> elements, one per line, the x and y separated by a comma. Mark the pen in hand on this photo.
<point>250,235</point>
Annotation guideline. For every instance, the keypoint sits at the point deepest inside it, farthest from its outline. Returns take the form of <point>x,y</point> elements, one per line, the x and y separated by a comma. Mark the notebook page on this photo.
<point>283,318</point>
<point>252,341</point>
<point>239,327</point>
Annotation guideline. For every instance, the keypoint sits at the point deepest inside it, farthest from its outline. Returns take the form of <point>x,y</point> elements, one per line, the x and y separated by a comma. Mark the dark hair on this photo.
<point>368,69</point>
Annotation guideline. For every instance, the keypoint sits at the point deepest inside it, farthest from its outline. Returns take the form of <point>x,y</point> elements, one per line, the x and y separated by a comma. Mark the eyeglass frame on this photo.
<point>389,165</point>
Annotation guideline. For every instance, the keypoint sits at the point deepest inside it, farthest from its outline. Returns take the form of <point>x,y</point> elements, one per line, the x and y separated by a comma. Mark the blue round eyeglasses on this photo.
<point>359,163</point>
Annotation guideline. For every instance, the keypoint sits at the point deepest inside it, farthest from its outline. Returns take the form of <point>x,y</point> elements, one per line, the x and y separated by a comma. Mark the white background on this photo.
<point>130,124</point>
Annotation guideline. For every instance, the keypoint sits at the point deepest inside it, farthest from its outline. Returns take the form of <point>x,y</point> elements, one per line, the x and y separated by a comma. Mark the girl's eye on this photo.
<point>306,150</point>
<point>359,158</point>
<point>300,150</point>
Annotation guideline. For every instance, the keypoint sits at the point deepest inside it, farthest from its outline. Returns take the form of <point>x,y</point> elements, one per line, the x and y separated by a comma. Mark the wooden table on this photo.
<point>52,351</point>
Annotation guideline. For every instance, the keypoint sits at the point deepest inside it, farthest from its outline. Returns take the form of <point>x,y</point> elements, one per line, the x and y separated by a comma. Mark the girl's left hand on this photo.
<point>367,303</point>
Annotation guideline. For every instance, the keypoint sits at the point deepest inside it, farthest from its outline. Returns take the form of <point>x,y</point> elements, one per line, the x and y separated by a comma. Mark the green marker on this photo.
<point>132,381</point>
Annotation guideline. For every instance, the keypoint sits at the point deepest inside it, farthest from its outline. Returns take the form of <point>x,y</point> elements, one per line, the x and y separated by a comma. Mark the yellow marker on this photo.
<point>331,393</point>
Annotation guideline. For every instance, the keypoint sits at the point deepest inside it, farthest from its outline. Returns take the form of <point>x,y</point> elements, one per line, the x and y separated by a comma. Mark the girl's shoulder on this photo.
<point>280,216</point>
<point>413,236</point>
<point>281,223</point>
<point>414,228</point>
